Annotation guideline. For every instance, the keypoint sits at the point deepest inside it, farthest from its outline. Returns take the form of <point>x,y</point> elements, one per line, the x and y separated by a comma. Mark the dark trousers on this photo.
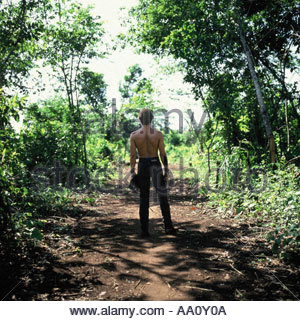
<point>151,168</point>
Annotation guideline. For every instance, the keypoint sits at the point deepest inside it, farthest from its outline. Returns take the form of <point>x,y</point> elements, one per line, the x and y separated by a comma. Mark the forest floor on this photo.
<point>94,252</point>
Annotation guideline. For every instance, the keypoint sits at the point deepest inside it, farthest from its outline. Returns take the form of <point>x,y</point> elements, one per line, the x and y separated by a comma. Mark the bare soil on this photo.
<point>94,252</point>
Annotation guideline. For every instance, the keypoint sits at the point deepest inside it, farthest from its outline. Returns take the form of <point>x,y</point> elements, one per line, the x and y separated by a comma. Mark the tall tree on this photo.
<point>133,82</point>
<point>92,87</point>
<point>258,90</point>
<point>21,26</point>
<point>73,37</point>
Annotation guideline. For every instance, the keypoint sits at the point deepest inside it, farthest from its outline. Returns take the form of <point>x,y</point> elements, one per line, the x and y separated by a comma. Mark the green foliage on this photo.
<point>174,138</point>
<point>204,37</point>
<point>93,88</point>
<point>130,84</point>
<point>66,36</point>
<point>270,196</point>
<point>135,89</point>
<point>73,37</point>
<point>76,128</point>
<point>102,153</point>
<point>10,184</point>
<point>21,205</point>
<point>21,26</point>
<point>31,212</point>
<point>46,134</point>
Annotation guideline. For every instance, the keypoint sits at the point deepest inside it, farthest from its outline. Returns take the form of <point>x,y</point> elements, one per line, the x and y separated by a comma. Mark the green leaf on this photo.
<point>36,234</point>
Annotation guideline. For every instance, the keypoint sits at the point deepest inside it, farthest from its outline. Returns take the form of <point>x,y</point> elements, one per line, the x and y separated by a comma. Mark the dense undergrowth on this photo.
<point>270,196</point>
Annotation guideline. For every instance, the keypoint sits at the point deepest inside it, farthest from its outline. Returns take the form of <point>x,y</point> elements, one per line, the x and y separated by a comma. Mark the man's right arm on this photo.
<point>162,152</point>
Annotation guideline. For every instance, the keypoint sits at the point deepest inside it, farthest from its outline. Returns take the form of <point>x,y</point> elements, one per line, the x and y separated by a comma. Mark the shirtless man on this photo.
<point>148,141</point>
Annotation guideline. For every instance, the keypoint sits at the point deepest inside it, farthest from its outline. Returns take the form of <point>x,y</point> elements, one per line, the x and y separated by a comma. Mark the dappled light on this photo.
<point>151,154</point>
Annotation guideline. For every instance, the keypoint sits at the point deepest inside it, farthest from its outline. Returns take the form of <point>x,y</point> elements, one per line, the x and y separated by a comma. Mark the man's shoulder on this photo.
<point>152,131</point>
<point>134,133</point>
<point>158,133</point>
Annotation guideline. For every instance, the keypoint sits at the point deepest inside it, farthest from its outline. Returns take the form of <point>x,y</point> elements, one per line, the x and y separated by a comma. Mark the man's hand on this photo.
<point>166,172</point>
<point>132,172</point>
<point>134,181</point>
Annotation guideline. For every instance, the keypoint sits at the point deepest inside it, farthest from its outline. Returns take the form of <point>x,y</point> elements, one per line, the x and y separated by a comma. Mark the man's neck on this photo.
<point>147,129</point>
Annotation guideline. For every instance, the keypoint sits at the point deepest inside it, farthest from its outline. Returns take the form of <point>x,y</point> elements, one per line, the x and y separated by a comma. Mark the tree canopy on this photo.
<point>206,37</point>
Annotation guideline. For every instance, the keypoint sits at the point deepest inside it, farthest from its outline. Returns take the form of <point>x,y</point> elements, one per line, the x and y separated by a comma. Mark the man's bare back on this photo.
<point>148,141</point>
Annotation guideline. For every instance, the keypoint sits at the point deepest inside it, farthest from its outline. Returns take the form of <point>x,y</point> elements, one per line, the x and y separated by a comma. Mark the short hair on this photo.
<point>145,116</point>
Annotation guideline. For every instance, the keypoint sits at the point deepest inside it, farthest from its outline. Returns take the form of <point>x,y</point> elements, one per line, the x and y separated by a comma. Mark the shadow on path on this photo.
<point>97,254</point>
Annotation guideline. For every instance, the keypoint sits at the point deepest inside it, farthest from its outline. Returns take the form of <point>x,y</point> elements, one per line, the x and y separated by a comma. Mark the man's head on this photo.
<point>145,116</point>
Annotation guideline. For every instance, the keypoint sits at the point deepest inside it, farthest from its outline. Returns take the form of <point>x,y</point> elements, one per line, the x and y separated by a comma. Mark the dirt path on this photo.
<point>94,253</point>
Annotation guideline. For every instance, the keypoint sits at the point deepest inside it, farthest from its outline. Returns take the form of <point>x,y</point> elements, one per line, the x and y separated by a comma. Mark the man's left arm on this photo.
<point>132,155</point>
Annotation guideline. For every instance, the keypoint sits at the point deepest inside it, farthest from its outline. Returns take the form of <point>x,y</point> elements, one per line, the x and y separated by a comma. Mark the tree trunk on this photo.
<point>208,160</point>
<point>287,125</point>
<point>84,151</point>
<point>285,92</point>
<point>263,110</point>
